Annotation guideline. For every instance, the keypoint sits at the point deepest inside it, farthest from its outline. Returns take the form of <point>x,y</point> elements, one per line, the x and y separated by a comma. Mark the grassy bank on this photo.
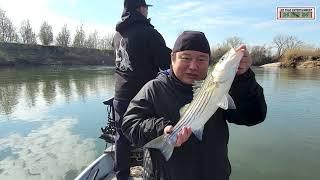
<point>12,54</point>
<point>301,58</point>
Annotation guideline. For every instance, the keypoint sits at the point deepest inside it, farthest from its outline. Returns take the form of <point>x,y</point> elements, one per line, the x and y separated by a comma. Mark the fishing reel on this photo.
<point>109,131</point>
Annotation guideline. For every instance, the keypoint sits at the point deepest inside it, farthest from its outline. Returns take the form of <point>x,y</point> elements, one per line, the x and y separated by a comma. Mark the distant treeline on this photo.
<point>13,54</point>
<point>21,47</point>
<point>288,50</point>
<point>26,35</point>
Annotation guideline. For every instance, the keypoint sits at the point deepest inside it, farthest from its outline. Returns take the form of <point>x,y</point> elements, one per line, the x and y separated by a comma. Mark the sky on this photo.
<point>253,21</point>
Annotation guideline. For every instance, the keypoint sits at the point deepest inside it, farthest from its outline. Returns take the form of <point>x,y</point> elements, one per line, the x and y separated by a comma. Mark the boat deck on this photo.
<point>136,173</point>
<point>102,167</point>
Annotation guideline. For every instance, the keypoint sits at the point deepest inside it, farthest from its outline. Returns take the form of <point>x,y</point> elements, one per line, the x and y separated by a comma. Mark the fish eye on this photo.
<point>222,58</point>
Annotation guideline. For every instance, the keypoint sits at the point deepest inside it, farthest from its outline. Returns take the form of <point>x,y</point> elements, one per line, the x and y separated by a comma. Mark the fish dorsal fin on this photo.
<point>196,87</point>
<point>211,86</point>
<point>184,109</point>
<point>227,102</point>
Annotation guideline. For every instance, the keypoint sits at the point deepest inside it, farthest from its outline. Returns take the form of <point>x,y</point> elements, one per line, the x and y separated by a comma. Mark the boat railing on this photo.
<point>109,133</point>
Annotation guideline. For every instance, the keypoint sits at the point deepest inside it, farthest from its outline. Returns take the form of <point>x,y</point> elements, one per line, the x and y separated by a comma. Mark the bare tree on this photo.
<point>27,34</point>
<point>283,43</point>
<point>219,51</point>
<point>92,41</point>
<point>233,41</point>
<point>260,55</point>
<point>63,38</point>
<point>106,42</point>
<point>222,48</point>
<point>279,42</point>
<point>7,30</point>
<point>79,38</point>
<point>293,43</point>
<point>46,34</point>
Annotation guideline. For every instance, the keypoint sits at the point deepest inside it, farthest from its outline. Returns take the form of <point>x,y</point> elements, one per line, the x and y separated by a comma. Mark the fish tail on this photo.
<point>163,145</point>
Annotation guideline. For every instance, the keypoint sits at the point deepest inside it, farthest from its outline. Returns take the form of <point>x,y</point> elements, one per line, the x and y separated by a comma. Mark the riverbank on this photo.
<point>298,58</point>
<point>299,65</point>
<point>12,54</point>
<point>301,58</point>
<point>271,65</point>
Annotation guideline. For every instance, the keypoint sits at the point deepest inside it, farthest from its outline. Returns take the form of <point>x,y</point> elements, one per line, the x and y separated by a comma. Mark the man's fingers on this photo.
<point>183,136</point>
<point>243,65</point>
<point>189,131</point>
<point>179,139</point>
<point>242,47</point>
<point>245,62</point>
<point>186,132</point>
<point>168,129</point>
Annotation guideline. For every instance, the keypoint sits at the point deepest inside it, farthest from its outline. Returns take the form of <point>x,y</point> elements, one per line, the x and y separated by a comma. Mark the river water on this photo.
<point>50,121</point>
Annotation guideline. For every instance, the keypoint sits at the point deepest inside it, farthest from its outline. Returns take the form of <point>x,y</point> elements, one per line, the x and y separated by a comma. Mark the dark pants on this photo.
<point>123,145</point>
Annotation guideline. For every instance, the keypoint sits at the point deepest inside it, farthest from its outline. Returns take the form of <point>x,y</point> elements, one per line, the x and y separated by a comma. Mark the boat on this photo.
<point>103,167</point>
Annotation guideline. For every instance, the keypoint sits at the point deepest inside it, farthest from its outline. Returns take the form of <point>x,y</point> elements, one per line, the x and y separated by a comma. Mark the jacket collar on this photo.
<point>176,83</point>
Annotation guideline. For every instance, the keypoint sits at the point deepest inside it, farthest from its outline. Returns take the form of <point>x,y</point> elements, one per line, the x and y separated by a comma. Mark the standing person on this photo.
<point>155,110</point>
<point>140,52</point>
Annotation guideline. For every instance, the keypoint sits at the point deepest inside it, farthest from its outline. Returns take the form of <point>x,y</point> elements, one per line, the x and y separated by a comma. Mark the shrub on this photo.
<point>293,57</point>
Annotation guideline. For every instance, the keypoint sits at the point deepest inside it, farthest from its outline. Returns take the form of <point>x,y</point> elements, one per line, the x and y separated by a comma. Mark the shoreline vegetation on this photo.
<point>285,52</point>
<point>297,58</point>
<point>301,58</point>
<point>14,54</point>
<point>17,55</point>
<point>20,46</point>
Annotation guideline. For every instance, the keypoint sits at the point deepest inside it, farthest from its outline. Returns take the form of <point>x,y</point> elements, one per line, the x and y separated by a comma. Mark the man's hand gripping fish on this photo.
<point>209,95</point>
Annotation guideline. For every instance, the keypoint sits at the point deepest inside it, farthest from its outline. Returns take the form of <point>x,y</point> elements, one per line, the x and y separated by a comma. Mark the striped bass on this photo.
<point>208,96</point>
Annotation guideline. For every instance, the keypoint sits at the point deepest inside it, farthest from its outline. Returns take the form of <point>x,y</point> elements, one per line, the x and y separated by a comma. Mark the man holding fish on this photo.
<point>181,116</point>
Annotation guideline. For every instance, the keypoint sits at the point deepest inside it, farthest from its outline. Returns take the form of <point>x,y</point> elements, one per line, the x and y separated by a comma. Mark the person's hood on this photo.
<point>130,17</point>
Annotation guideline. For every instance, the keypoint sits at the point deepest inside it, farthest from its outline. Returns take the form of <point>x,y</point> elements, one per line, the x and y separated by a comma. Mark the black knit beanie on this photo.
<point>192,40</point>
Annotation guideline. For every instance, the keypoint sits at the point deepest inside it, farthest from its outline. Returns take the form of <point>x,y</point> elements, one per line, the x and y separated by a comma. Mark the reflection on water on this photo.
<point>50,152</point>
<point>31,87</point>
<point>9,97</point>
<point>50,121</point>
<point>286,144</point>
<point>290,79</point>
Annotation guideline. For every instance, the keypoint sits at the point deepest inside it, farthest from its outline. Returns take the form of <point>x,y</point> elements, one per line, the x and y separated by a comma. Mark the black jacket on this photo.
<point>140,53</point>
<point>157,105</point>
